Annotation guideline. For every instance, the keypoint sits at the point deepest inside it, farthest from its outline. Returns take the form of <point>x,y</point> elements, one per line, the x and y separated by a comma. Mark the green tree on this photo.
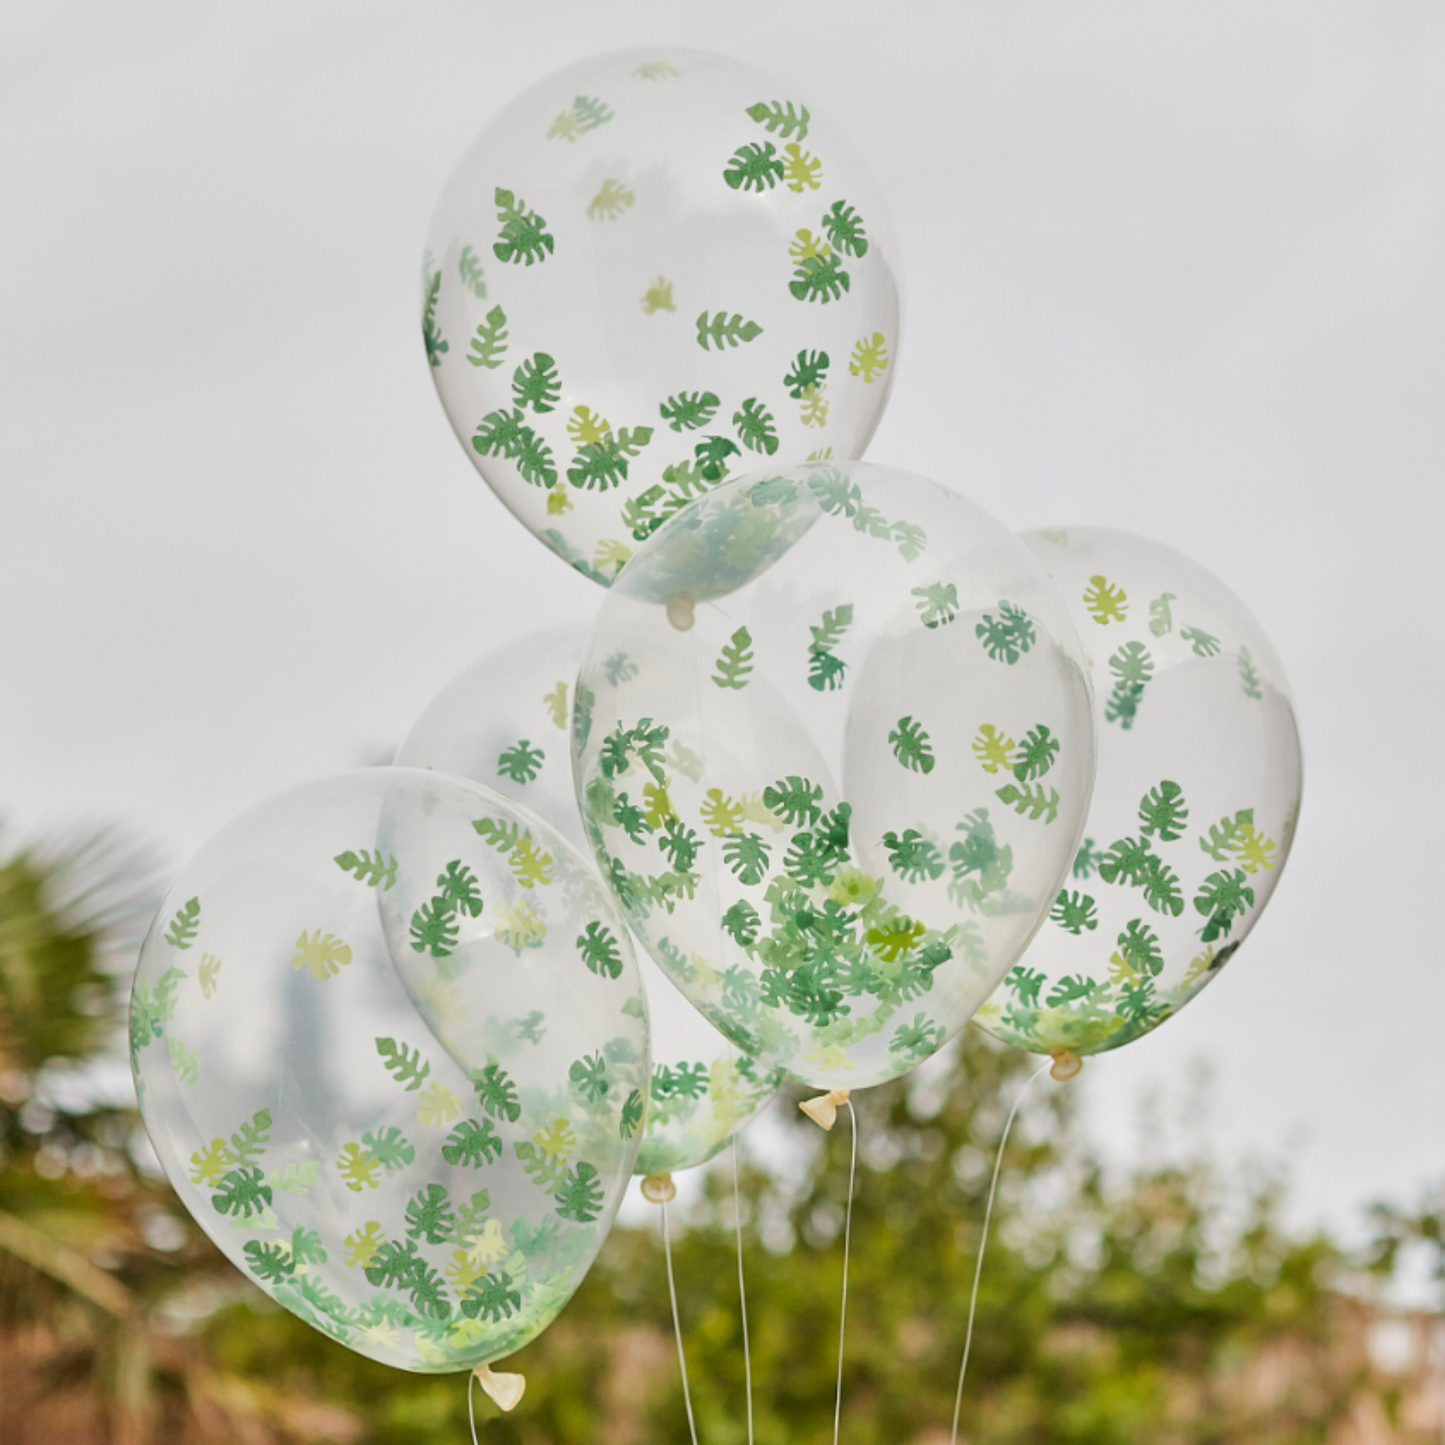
<point>92,1246</point>
<point>1113,1307</point>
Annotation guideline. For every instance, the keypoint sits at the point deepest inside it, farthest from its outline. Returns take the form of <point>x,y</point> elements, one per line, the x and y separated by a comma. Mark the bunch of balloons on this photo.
<point>840,764</point>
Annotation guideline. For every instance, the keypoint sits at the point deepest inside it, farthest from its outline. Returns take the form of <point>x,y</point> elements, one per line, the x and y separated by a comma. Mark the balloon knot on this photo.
<point>1066,1063</point>
<point>659,1189</point>
<point>823,1110</point>
<point>505,1390</point>
<point>680,613</point>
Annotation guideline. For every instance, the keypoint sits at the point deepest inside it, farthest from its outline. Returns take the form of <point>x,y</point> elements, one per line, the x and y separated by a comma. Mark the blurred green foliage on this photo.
<point>1111,1310</point>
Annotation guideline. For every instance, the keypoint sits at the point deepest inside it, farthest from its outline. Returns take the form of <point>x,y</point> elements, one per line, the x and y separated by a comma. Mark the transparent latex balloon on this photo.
<point>301,1091</point>
<point>785,793</point>
<point>652,270</point>
<point>1194,808</point>
<point>504,722</point>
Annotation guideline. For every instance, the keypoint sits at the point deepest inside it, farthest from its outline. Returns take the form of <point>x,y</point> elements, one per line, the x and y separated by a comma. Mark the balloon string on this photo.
<point>698,664</point>
<point>677,1325</point>
<point>742,1288</point>
<point>471,1414</point>
<point>847,1240</point>
<point>983,1240</point>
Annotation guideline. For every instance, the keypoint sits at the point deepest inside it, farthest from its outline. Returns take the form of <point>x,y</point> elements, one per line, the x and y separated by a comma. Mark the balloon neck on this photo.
<point>1066,1063</point>
<point>823,1110</point>
<point>680,613</point>
<point>503,1389</point>
<point>659,1189</point>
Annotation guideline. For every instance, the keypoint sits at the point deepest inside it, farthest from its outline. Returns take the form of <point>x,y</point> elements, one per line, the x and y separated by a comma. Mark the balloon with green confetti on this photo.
<point>651,271</point>
<point>505,722</point>
<point>785,794</point>
<point>1194,808</point>
<point>300,1008</point>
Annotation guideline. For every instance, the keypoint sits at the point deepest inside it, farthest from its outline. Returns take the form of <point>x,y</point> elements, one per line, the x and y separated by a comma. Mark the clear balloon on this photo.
<point>784,790</point>
<point>1194,808</point>
<point>305,1097</point>
<point>504,722</point>
<point>650,270</point>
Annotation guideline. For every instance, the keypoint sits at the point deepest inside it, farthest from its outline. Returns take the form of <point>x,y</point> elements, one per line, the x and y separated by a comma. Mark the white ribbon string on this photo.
<point>742,1289</point>
<point>983,1241</point>
<point>847,1240</point>
<point>677,1325</point>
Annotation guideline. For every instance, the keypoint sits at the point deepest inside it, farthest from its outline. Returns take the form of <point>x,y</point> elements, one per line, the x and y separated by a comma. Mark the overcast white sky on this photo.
<point>1178,269</point>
